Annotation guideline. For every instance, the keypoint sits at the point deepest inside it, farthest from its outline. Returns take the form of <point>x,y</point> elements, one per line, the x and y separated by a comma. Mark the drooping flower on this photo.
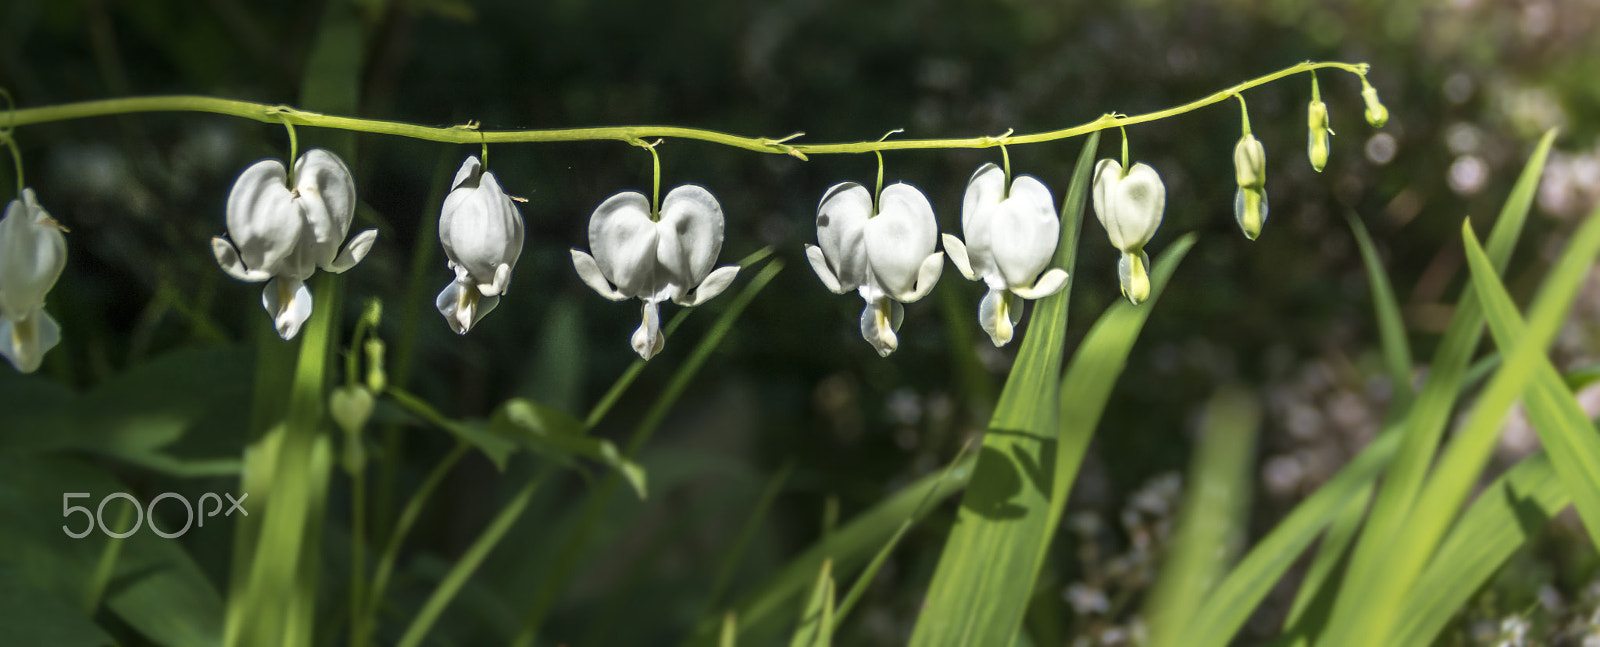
<point>1319,132</point>
<point>481,230</point>
<point>656,256</point>
<point>32,255</point>
<point>1011,235</point>
<point>1376,114</point>
<point>283,226</point>
<point>1250,170</point>
<point>1130,204</point>
<point>886,254</point>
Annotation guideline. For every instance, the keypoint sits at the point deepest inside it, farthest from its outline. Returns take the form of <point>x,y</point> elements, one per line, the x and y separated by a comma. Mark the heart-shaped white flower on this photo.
<point>281,232</point>
<point>656,257</point>
<point>32,255</point>
<point>1011,236</point>
<point>1130,205</point>
<point>885,254</point>
<point>481,230</point>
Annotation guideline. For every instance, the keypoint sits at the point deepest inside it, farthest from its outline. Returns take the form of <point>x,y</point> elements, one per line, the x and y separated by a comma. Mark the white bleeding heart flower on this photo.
<point>283,226</point>
<point>1011,236</point>
<point>656,256</point>
<point>481,230</point>
<point>886,254</point>
<point>1130,204</point>
<point>32,254</point>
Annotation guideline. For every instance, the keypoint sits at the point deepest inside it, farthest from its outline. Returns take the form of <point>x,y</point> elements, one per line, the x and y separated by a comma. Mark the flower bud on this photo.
<point>1377,115</point>
<point>1317,140</point>
<point>32,255</point>
<point>1250,202</point>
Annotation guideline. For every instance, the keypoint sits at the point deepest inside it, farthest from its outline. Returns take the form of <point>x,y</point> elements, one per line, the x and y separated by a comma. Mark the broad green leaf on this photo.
<point>986,572</point>
<point>1391,328</point>
<point>156,589</point>
<point>30,618</point>
<point>1568,434</point>
<point>1396,500</point>
<point>1456,472</point>
<point>1215,504</point>
<point>765,611</point>
<point>550,431</point>
<point>816,620</point>
<point>1499,522</point>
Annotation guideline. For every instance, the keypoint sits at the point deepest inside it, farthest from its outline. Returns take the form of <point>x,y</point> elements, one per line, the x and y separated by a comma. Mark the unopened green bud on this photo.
<point>350,406</point>
<point>1250,162</point>
<point>1377,115</point>
<point>1317,143</point>
<point>1250,210</point>
<point>377,378</point>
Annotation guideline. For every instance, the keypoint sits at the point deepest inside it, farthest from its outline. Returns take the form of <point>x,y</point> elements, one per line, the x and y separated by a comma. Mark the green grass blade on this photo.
<point>567,559</point>
<point>1313,601</point>
<point>1232,602</point>
<point>1391,328</point>
<point>1424,425</point>
<point>1568,434</point>
<point>986,572</point>
<point>1095,368</point>
<point>865,578</point>
<point>747,534</point>
<point>469,561</point>
<point>1499,522</point>
<point>730,630</point>
<point>1458,469</point>
<point>1215,505</point>
<point>816,620</point>
<point>764,610</point>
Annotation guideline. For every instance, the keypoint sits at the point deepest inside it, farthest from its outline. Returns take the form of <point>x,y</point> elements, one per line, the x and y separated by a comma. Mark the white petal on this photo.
<point>1050,283</point>
<point>624,243</point>
<point>263,220</point>
<point>984,191</point>
<point>228,259</point>
<point>590,272</point>
<point>1129,207</point>
<point>354,251</point>
<point>690,237</point>
<point>468,174</point>
<point>647,340</point>
<point>927,277</point>
<point>715,283</point>
<point>480,227</point>
<point>958,255</point>
<point>819,264</point>
<point>879,321</point>
<point>900,238</point>
<point>25,341</point>
<point>327,194</point>
<point>32,255</point>
<point>841,222</point>
<point>1025,231</point>
<point>462,306</point>
<point>498,285</point>
<point>996,316</point>
<point>289,303</point>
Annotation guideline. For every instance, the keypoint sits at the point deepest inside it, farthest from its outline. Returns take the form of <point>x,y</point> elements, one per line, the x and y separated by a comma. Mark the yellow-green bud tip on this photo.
<point>1377,115</point>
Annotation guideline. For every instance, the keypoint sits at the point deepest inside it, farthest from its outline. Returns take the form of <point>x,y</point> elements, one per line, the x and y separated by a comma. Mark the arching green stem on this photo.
<point>1244,112</point>
<point>1125,166</point>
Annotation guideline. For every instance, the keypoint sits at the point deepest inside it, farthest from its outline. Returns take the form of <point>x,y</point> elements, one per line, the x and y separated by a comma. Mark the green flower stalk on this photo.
<point>1317,119</point>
